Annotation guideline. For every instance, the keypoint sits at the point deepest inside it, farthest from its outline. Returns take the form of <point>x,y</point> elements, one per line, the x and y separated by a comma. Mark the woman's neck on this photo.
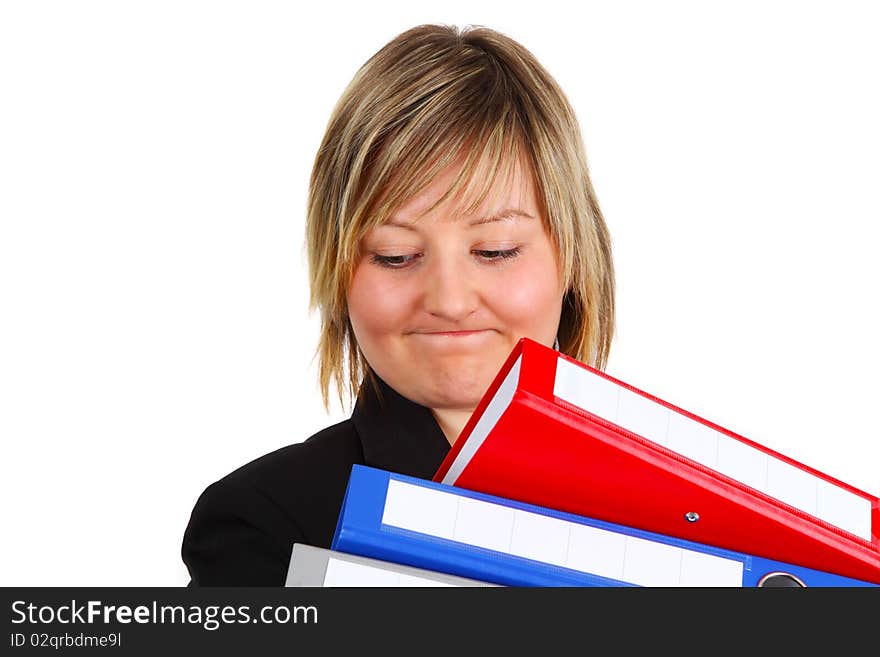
<point>451,421</point>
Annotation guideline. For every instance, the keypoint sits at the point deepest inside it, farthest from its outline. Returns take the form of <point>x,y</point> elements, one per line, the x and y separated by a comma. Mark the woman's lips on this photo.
<point>471,343</point>
<point>453,334</point>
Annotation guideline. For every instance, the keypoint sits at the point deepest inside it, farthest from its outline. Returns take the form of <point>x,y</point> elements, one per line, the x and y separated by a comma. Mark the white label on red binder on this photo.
<point>489,418</point>
<point>552,540</point>
<point>713,449</point>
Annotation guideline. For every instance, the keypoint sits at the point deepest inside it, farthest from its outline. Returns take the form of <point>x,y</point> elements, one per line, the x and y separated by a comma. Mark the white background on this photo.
<point>154,158</point>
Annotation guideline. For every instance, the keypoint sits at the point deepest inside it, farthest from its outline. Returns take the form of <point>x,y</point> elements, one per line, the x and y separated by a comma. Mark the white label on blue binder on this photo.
<point>540,538</point>
<point>425,511</point>
<point>597,551</point>
<point>555,541</point>
<point>697,567</point>
<point>485,525</point>
<point>346,573</point>
<point>494,409</point>
<point>713,449</point>
<point>654,564</point>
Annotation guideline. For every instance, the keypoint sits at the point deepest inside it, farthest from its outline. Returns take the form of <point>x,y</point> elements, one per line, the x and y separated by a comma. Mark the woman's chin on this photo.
<point>464,380</point>
<point>464,396</point>
<point>458,385</point>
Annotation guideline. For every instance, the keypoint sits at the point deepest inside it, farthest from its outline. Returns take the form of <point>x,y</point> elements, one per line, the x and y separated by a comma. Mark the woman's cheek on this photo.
<point>379,300</point>
<point>525,290</point>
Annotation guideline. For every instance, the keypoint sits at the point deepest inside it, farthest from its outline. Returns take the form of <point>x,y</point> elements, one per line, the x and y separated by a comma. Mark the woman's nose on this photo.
<point>450,291</point>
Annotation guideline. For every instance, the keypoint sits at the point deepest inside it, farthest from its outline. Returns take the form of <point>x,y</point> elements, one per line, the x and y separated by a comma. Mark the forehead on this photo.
<point>512,188</point>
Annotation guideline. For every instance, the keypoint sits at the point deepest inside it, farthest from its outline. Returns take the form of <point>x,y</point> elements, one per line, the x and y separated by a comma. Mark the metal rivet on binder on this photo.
<point>691,516</point>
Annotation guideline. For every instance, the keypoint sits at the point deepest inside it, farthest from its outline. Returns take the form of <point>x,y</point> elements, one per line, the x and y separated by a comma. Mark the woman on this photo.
<point>450,213</point>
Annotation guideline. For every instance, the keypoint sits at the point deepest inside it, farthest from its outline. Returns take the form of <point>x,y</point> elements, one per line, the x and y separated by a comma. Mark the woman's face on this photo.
<point>438,304</point>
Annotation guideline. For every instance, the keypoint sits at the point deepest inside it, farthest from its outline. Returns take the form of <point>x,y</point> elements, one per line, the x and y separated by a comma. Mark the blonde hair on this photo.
<point>432,96</point>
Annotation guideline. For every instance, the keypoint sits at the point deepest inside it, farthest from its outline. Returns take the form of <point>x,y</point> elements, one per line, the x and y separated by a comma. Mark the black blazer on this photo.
<point>243,527</point>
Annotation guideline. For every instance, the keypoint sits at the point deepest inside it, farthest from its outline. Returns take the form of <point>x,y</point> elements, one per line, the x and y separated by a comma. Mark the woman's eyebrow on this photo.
<point>501,215</point>
<point>507,213</point>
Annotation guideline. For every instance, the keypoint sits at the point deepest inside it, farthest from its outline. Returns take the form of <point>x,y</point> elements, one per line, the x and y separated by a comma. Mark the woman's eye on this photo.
<point>498,255</point>
<point>392,261</point>
<point>403,261</point>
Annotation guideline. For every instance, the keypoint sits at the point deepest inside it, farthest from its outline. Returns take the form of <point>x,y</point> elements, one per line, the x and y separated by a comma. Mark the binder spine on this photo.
<point>437,527</point>
<point>439,555</point>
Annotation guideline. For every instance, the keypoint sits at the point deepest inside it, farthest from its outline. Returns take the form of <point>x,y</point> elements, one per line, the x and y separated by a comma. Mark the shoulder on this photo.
<point>302,465</point>
<point>243,526</point>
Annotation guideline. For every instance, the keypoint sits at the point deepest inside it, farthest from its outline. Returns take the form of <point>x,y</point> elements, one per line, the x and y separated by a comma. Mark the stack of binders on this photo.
<point>565,476</point>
